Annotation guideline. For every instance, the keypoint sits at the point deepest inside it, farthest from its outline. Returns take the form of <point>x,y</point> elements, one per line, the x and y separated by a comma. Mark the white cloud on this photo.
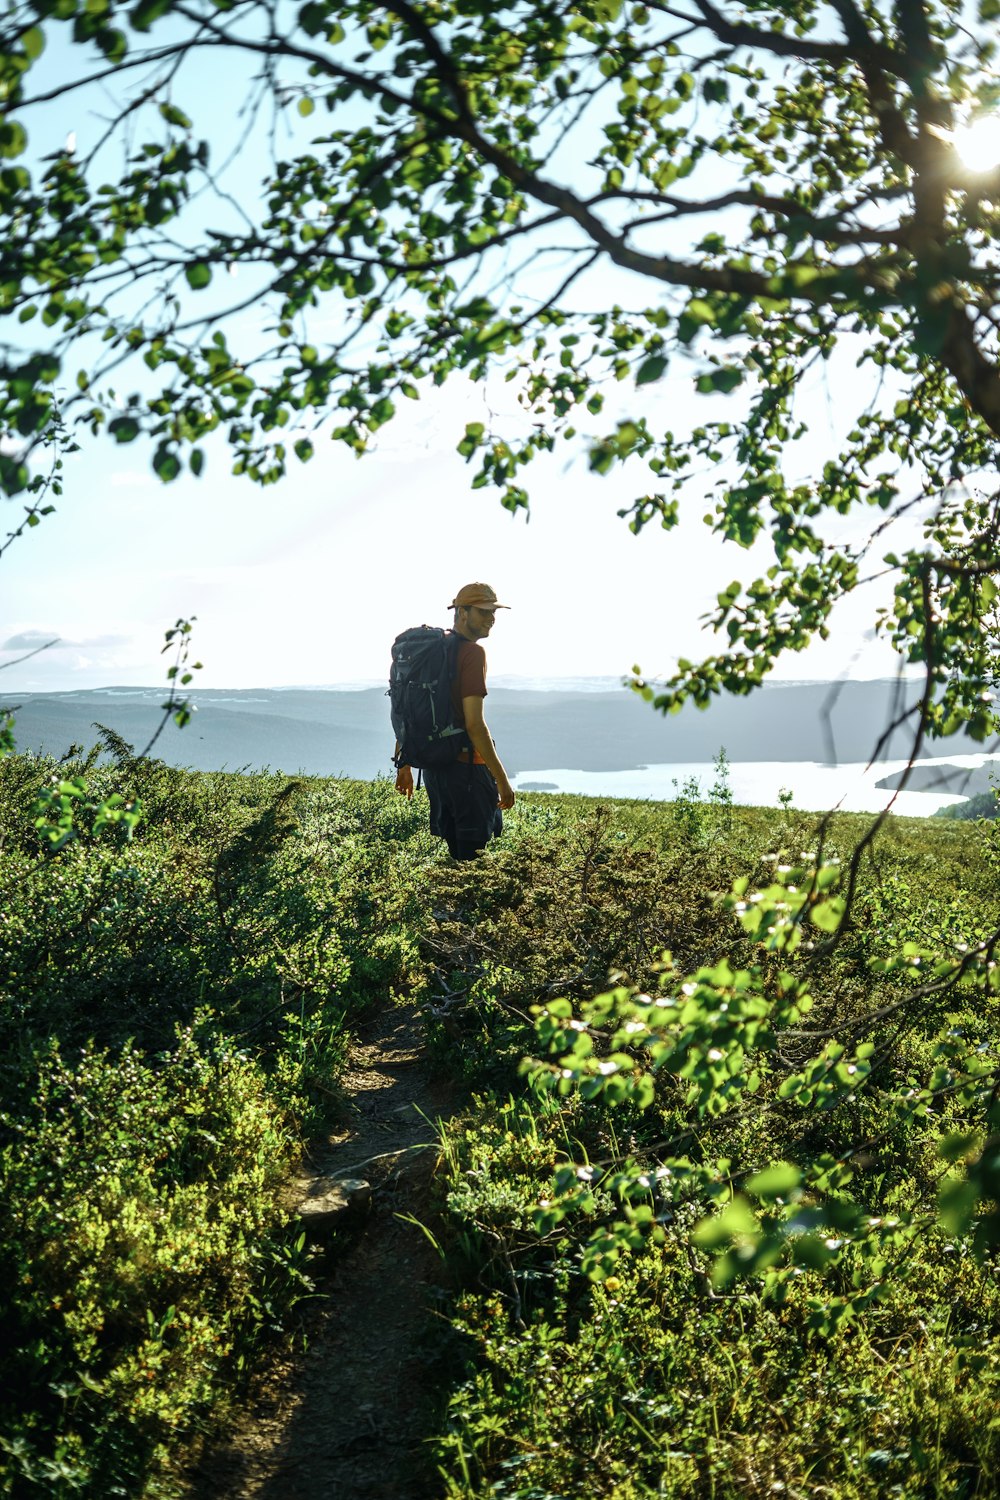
<point>34,640</point>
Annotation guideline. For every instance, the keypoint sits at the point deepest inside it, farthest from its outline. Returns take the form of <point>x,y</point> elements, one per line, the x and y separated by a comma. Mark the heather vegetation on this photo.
<point>714,1247</point>
<point>175,997</point>
<point>715,1224</point>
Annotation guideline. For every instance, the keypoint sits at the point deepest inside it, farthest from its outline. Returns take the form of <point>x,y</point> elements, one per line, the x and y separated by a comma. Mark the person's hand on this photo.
<point>506,794</point>
<point>404,782</point>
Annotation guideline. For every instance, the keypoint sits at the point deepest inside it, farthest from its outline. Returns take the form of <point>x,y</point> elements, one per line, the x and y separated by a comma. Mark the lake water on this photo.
<point>815,787</point>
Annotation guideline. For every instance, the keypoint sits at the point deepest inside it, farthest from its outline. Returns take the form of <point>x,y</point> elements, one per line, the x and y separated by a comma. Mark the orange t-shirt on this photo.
<point>469,681</point>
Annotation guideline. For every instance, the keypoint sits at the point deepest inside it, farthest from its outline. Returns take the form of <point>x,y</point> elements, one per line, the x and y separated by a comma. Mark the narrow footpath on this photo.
<point>347,1419</point>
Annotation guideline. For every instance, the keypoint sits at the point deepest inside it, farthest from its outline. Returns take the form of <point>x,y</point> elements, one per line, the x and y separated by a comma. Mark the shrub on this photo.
<point>175,997</point>
<point>752,1270</point>
<point>140,1225</point>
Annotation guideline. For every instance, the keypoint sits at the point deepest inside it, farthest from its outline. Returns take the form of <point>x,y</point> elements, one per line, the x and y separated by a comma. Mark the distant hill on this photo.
<point>982,806</point>
<point>347,733</point>
<point>942,776</point>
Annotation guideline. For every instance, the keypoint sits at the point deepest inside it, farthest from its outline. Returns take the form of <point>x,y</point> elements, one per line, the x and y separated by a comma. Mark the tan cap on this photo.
<point>476,594</point>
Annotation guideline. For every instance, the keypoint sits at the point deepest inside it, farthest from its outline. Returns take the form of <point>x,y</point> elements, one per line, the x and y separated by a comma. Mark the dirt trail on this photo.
<point>345,1422</point>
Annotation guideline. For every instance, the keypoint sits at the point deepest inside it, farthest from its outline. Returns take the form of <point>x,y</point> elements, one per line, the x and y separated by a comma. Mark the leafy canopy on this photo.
<point>775,186</point>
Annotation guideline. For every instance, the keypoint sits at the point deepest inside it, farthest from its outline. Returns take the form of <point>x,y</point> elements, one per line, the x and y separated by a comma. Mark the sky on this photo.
<point>307,582</point>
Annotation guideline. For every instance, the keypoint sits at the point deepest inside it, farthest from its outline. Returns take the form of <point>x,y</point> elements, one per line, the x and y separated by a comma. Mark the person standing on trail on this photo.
<point>467,796</point>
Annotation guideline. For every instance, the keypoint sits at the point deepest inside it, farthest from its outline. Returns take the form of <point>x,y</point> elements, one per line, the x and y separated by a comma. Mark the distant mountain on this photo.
<point>973,782</point>
<point>347,733</point>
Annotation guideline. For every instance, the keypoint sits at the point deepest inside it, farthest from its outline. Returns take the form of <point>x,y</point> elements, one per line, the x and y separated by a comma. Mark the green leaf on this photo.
<point>13,138</point>
<point>778,1181</point>
<point>166,463</point>
<point>602,458</point>
<point>312,19</point>
<point>124,429</point>
<point>696,315</point>
<point>956,1206</point>
<point>956,1145</point>
<point>175,116</point>
<point>724,380</point>
<point>146,12</point>
<point>736,1221</point>
<point>812,1250</point>
<point>700,311</point>
<point>198,274</point>
<point>33,42</point>
<point>113,43</point>
<point>827,915</point>
<point>651,369</point>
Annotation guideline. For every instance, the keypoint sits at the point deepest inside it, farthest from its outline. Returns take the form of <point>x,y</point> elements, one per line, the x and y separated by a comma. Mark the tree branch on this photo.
<point>741,34</point>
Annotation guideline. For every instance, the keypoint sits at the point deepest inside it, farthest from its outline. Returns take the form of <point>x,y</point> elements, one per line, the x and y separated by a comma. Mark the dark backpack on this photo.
<point>420,703</point>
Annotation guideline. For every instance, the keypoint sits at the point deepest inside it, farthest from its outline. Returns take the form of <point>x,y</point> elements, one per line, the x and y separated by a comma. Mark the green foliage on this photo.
<point>552,910</point>
<point>737,1231</point>
<point>175,996</point>
<point>983,805</point>
<point>62,804</point>
<point>64,808</point>
<point>694,816</point>
<point>143,1235</point>
<point>649,1385</point>
<point>731,1227</point>
<point>720,793</point>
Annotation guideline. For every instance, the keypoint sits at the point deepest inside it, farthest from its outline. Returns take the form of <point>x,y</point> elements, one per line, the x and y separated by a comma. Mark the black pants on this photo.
<point>464,807</point>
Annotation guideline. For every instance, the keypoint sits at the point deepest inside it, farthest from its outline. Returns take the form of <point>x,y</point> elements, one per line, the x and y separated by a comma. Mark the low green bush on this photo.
<point>650,1385</point>
<point>645,1311</point>
<point>652,1307</point>
<point>176,993</point>
<point>141,1230</point>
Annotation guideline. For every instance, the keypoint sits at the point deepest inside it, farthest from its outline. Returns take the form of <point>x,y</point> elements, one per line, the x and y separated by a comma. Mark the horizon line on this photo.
<point>540,683</point>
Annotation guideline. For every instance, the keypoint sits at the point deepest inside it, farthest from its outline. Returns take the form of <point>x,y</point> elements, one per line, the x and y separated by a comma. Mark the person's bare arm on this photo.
<point>482,743</point>
<point>404,777</point>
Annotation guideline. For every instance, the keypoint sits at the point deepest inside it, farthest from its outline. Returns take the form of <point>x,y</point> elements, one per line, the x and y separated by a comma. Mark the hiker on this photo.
<point>468,793</point>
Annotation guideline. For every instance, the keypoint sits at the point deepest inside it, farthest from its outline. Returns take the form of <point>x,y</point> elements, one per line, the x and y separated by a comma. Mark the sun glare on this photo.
<point>978,143</point>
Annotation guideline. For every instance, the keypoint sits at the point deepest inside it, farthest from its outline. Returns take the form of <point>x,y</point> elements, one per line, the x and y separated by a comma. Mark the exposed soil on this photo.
<point>347,1420</point>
